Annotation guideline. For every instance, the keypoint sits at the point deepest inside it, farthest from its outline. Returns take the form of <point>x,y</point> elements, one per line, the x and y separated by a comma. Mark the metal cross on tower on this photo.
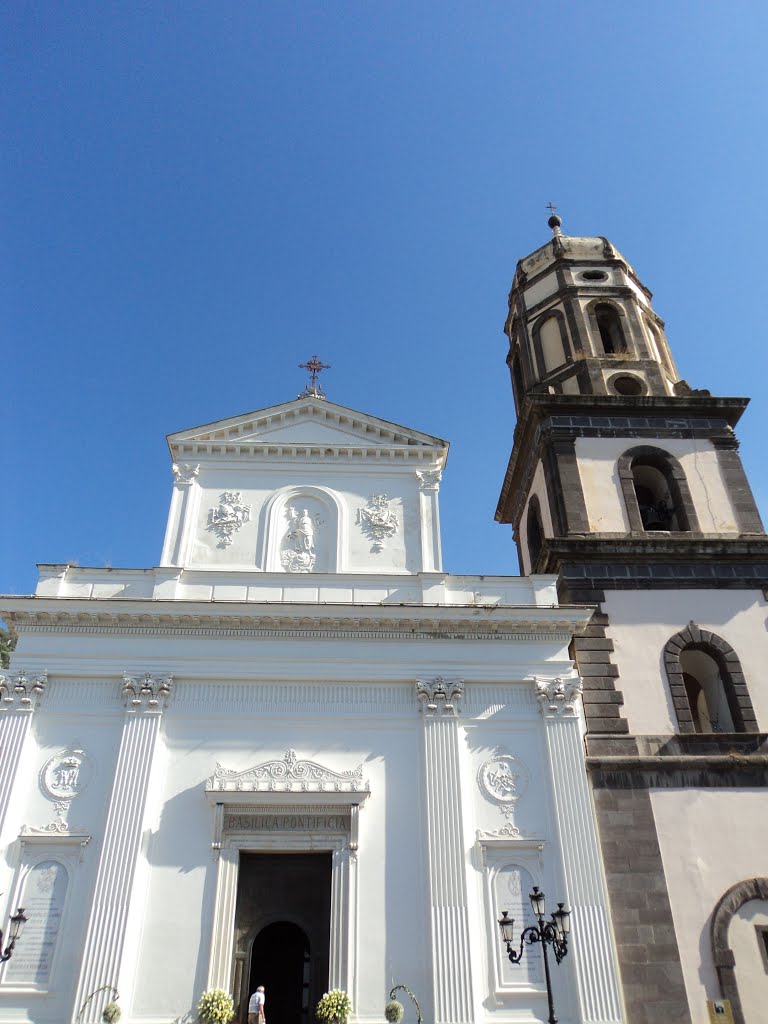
<point>313,388</point>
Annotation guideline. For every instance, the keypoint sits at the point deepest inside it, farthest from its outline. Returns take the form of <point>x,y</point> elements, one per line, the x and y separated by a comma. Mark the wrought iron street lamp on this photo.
<point>15,927</point>
<point>552,933</point>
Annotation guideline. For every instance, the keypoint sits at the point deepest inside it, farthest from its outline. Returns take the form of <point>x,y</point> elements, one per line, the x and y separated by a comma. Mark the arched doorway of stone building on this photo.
<point>281,961</point>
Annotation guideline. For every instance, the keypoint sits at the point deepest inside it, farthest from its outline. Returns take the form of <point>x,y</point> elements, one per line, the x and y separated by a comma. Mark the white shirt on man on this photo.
<point>256,1002</point>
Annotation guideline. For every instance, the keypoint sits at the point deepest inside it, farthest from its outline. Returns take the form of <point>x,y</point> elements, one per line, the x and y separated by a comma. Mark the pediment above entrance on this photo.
<point>272,781</point>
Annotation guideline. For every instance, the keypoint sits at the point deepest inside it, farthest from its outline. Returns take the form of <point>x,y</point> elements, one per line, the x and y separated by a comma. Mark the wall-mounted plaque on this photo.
<point>45,888</point>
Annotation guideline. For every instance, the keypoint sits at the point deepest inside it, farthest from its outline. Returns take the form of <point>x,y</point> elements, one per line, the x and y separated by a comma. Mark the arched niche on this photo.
<point>304,531</point>
<point>725,961</point>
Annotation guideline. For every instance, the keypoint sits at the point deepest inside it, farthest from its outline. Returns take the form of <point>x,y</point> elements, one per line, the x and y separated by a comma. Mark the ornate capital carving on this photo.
<point>20,692</point>
<point>439,696</point>
<point>184,473</point>
<point>429,480</point>
<point>557,696</point>
<point>147,692</point>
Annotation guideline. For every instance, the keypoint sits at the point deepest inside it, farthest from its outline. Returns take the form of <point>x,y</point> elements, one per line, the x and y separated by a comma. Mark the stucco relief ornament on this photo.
<point>299,554</point>
<point>227,519</point>
<point>184,473</point>
<point>21,691</point>
<point>65,775</point>
<point>378,521</point>
<point>429,480</point>
<point>557,696</point>
<point>503,779</point>
<point>439,696</point>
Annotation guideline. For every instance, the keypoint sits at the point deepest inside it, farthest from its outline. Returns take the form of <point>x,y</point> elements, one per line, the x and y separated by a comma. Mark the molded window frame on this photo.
<point>674,474</point>
<point>597,339</point>
<point>694,638</point>
<point>538,350</point>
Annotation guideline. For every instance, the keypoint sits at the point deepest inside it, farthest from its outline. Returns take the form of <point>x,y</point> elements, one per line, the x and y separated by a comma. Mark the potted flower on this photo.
<point>215,1007</point>
<point>334,1007</point>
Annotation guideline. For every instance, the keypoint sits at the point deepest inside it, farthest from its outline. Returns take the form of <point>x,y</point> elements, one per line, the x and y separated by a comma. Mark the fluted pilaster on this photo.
<point>105,938</point>
<point>591,945</point>
<point>449,920</point>
<point>19,696</point>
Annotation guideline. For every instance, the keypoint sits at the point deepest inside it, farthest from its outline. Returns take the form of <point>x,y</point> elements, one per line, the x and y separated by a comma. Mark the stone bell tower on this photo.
<point>627,483</point>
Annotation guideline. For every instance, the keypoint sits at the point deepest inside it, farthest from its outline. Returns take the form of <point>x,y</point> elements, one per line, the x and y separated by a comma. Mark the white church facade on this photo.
<point>297,753</point>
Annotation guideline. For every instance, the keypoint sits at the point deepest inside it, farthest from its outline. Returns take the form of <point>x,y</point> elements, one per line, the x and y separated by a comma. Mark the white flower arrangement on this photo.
<point>111,1013</point>
<point>334,1006</point>
<point>216,1007</point>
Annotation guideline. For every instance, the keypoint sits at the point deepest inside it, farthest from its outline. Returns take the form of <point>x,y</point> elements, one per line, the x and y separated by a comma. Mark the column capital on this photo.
<point>429,480</point>
<point>184,473</point>
<point>557,697</point>
<point>439,697</point>
<point>147,692</point>
<point>20,692</point>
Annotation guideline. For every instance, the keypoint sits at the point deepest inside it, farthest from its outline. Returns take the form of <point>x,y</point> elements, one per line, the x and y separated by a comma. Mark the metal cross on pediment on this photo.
<point>551,207</point>
<point>315,367</point>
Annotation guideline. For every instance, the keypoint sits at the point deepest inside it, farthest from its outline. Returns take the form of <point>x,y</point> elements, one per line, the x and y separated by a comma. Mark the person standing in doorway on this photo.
<point>256,1007</point>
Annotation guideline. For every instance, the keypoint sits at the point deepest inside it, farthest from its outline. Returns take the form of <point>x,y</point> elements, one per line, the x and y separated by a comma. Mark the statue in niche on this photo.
<point>299,554</point>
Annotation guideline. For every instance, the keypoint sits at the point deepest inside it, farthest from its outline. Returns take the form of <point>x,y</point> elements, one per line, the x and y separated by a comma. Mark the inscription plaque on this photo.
<point>286,822</point>
<point>43,900</point>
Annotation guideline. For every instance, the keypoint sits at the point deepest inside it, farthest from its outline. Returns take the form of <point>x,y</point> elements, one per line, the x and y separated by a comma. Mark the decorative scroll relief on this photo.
<point>377,520</point>
<point>20,691</point>
<point>42,896</point>
<point>429,480</point>
<point>503,779</point>
<point>299,553</point>
<point>184,473</point>
<point>147,692</point>
<point>439,696</point>
<point>558,696</point>
<point>290,775</point>
<point>227,519</point>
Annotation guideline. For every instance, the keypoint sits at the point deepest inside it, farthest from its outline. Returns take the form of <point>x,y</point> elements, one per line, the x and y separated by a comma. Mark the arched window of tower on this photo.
<point>551,341</point>
<point>534,532</point>
<point>656,492</point>
<point>654,498</point>
<point>706,683</point>
<point>706,692</point>
<point>609,328</point>
<point>659,350</point>
<point>518,387</point>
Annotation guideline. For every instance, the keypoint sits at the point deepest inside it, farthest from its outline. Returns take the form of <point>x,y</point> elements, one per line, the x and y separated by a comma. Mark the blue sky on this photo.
<point>198,196</point>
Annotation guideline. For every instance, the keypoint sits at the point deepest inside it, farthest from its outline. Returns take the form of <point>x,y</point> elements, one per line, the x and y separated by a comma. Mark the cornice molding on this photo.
<point>446,622</point>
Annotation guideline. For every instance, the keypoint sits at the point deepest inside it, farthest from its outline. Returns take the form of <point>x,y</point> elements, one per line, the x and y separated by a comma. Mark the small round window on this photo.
<point>594,275</point>
<point>626,385</point>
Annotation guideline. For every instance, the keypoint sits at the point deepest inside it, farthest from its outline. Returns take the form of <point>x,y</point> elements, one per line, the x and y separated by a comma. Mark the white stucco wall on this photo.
<point>598,468</point>
<point>641,622</point>
<point>710,840</point>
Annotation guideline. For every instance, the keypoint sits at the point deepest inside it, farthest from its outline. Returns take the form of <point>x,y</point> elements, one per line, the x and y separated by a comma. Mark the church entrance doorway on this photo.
<point>282,933</point>
<point>281,961</point>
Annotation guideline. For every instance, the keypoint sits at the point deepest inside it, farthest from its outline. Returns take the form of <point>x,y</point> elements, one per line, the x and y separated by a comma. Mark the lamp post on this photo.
<point>15,927</point>
<point>553,933</point>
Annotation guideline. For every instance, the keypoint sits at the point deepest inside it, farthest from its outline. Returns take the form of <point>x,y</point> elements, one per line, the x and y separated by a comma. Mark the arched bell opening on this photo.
<point>706,692</point>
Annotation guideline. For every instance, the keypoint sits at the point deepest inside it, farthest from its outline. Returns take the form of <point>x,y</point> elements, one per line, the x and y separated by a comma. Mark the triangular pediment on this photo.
<point>308,422</point>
